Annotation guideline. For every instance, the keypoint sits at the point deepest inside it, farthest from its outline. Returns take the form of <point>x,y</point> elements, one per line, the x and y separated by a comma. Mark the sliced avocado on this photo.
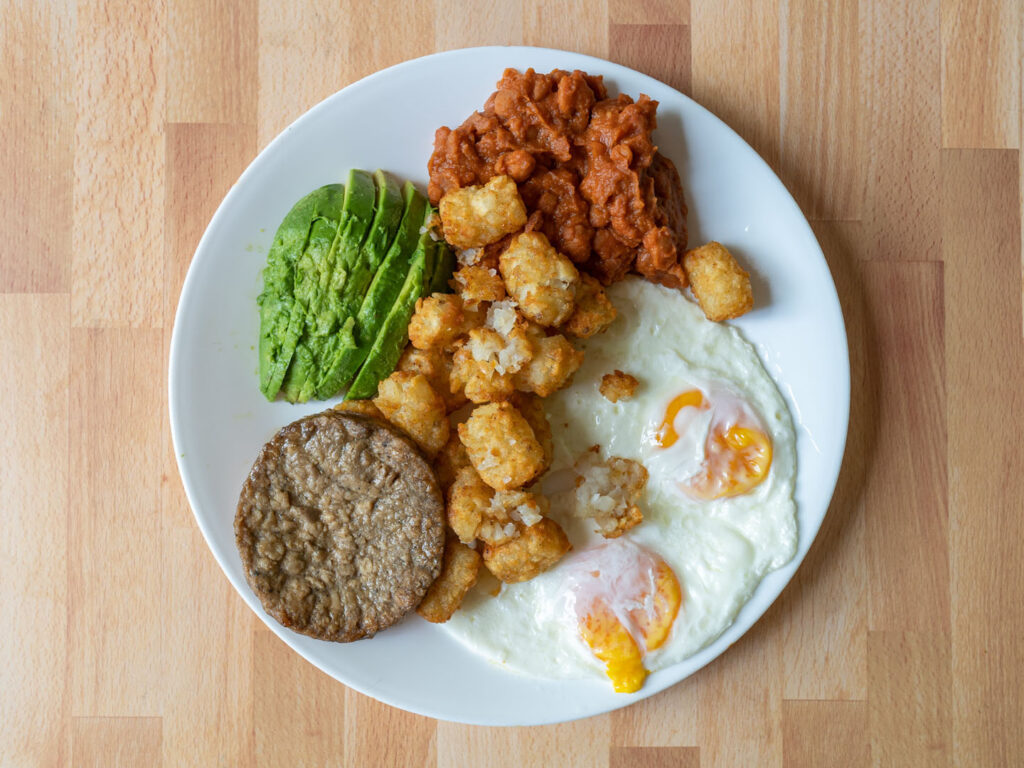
<point>311,272</point>
<point>444,267</point>
<point>325,275</point>
<point>386,220</point>
<point>282,315</point>
<point>394,332</point>
<point>382,292</point>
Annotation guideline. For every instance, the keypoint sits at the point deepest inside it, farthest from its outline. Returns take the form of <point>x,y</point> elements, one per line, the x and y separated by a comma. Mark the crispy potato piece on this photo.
<point>542,281</point>
<point>593,312</point>
<point>606,492</point>
<point>501,446</point>
<point>553,364</point>
<point>473,217</point>
<point>458,575</point>
<point>618,386</point>
<point>450,460</point>
<point>720,285</point>
<point>365,407</point>
<point>440,320</point>
<point>478,284</point>
<point>469,499</point>
<point>534,551</point>
<point>409,402</point>
<point>479,380</point>
<point>436,365</point>
<point>509,514</point>
<point>533,411</point>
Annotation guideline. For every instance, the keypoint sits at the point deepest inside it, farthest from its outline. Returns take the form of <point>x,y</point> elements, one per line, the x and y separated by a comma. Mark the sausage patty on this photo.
<point>340,526</point>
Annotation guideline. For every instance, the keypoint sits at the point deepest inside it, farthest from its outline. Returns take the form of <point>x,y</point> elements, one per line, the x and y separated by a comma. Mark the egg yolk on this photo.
<point>736,458</point>
<point>652,613</point>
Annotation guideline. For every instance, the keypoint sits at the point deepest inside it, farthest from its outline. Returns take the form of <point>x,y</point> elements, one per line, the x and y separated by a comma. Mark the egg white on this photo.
<point>720,550</point>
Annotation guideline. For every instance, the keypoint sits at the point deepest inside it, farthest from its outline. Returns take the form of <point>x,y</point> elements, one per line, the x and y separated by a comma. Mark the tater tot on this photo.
<point>450,459</point>
<point>364,407</point>
<point>436,365</point>
<point>617,386</point>
<point>528,555</point>
<point>476,284</point>
<point>501,446</point>
<point>553,364</point>
<point>479,380</point>
<point>468,500</point>
<point>473,217</point>
<point>541,280</point>
<point>458,575</point>
<point>593,311</point>
<point>440,320</point>
<point>409,402</point>
<point>533,411</point>
<point>720,285</point>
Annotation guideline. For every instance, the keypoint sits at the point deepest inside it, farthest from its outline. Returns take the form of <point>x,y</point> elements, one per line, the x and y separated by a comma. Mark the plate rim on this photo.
<point>610,69</point>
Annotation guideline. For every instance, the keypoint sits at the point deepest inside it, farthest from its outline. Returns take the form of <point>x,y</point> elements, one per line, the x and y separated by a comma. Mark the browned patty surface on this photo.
<point>340,526</point>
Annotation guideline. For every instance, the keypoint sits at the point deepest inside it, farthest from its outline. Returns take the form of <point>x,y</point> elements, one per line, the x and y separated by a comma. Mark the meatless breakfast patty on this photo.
<point>340,526</point>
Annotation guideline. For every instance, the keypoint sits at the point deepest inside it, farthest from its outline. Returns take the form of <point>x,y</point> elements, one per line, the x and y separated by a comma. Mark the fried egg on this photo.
<point>710,426</point>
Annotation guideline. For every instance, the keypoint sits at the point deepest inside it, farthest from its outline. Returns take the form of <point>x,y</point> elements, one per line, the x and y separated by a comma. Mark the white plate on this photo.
<point>219,419</point>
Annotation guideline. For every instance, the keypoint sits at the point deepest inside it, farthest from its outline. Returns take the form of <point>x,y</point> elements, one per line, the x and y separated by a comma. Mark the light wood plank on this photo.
<point>370,729</point>
<point>116,742</point>
<point>668,719</point>
<point>909,708</point>
<point>735,68</point>
<point>900,62</point>
<point>33,549</point>
<point>573,25</point>
<point>907,530</point>
<point>825,617</point>
<point>981,73</point>
<point>207,659</point>
<point>337,47</point>
<point>659,50</point>
<point>494,23</point>
<point>822,158</point>
<point>115,621</point>
<point>981,242</point>
<point>36,155</point>
<point>299,712</point>
<point>119,165</point>
<point>580,744</point>
<point>654,757</point>
<point>653,12</point>
<point>211,61</point>
<point>817,733</point>
<point>751,734</point>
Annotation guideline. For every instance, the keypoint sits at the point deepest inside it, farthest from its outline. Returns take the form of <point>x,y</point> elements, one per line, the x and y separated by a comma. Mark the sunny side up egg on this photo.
<point>715,435</point>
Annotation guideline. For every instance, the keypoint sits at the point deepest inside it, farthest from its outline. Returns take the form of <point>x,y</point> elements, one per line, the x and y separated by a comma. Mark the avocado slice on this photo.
<point>383,290</point>
<point>394,332</point>
<point>282,317</point>
<point>325,275</point>
<point>312,271</point>
<point>386,220</point>
<point>444,268</point>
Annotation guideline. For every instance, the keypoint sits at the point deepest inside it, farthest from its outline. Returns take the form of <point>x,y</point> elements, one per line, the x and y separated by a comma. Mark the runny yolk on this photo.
<point>612,644</point>
<point>653,617</point>
<point>667,435</point>
<point>736,460</point>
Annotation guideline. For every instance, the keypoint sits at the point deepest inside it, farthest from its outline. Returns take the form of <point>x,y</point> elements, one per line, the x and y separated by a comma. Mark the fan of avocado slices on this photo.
<point>342,278</point>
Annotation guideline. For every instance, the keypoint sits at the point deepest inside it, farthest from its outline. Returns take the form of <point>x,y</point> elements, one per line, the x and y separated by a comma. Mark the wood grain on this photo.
<point>897,127</point>
<point>981,237</point>
<point>33,566</point>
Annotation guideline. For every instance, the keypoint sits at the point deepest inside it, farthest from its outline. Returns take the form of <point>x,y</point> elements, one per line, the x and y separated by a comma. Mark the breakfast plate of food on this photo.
<point>509,386</point>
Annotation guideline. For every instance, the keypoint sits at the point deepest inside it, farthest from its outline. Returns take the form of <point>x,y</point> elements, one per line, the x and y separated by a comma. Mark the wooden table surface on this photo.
<point>897,126</point>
